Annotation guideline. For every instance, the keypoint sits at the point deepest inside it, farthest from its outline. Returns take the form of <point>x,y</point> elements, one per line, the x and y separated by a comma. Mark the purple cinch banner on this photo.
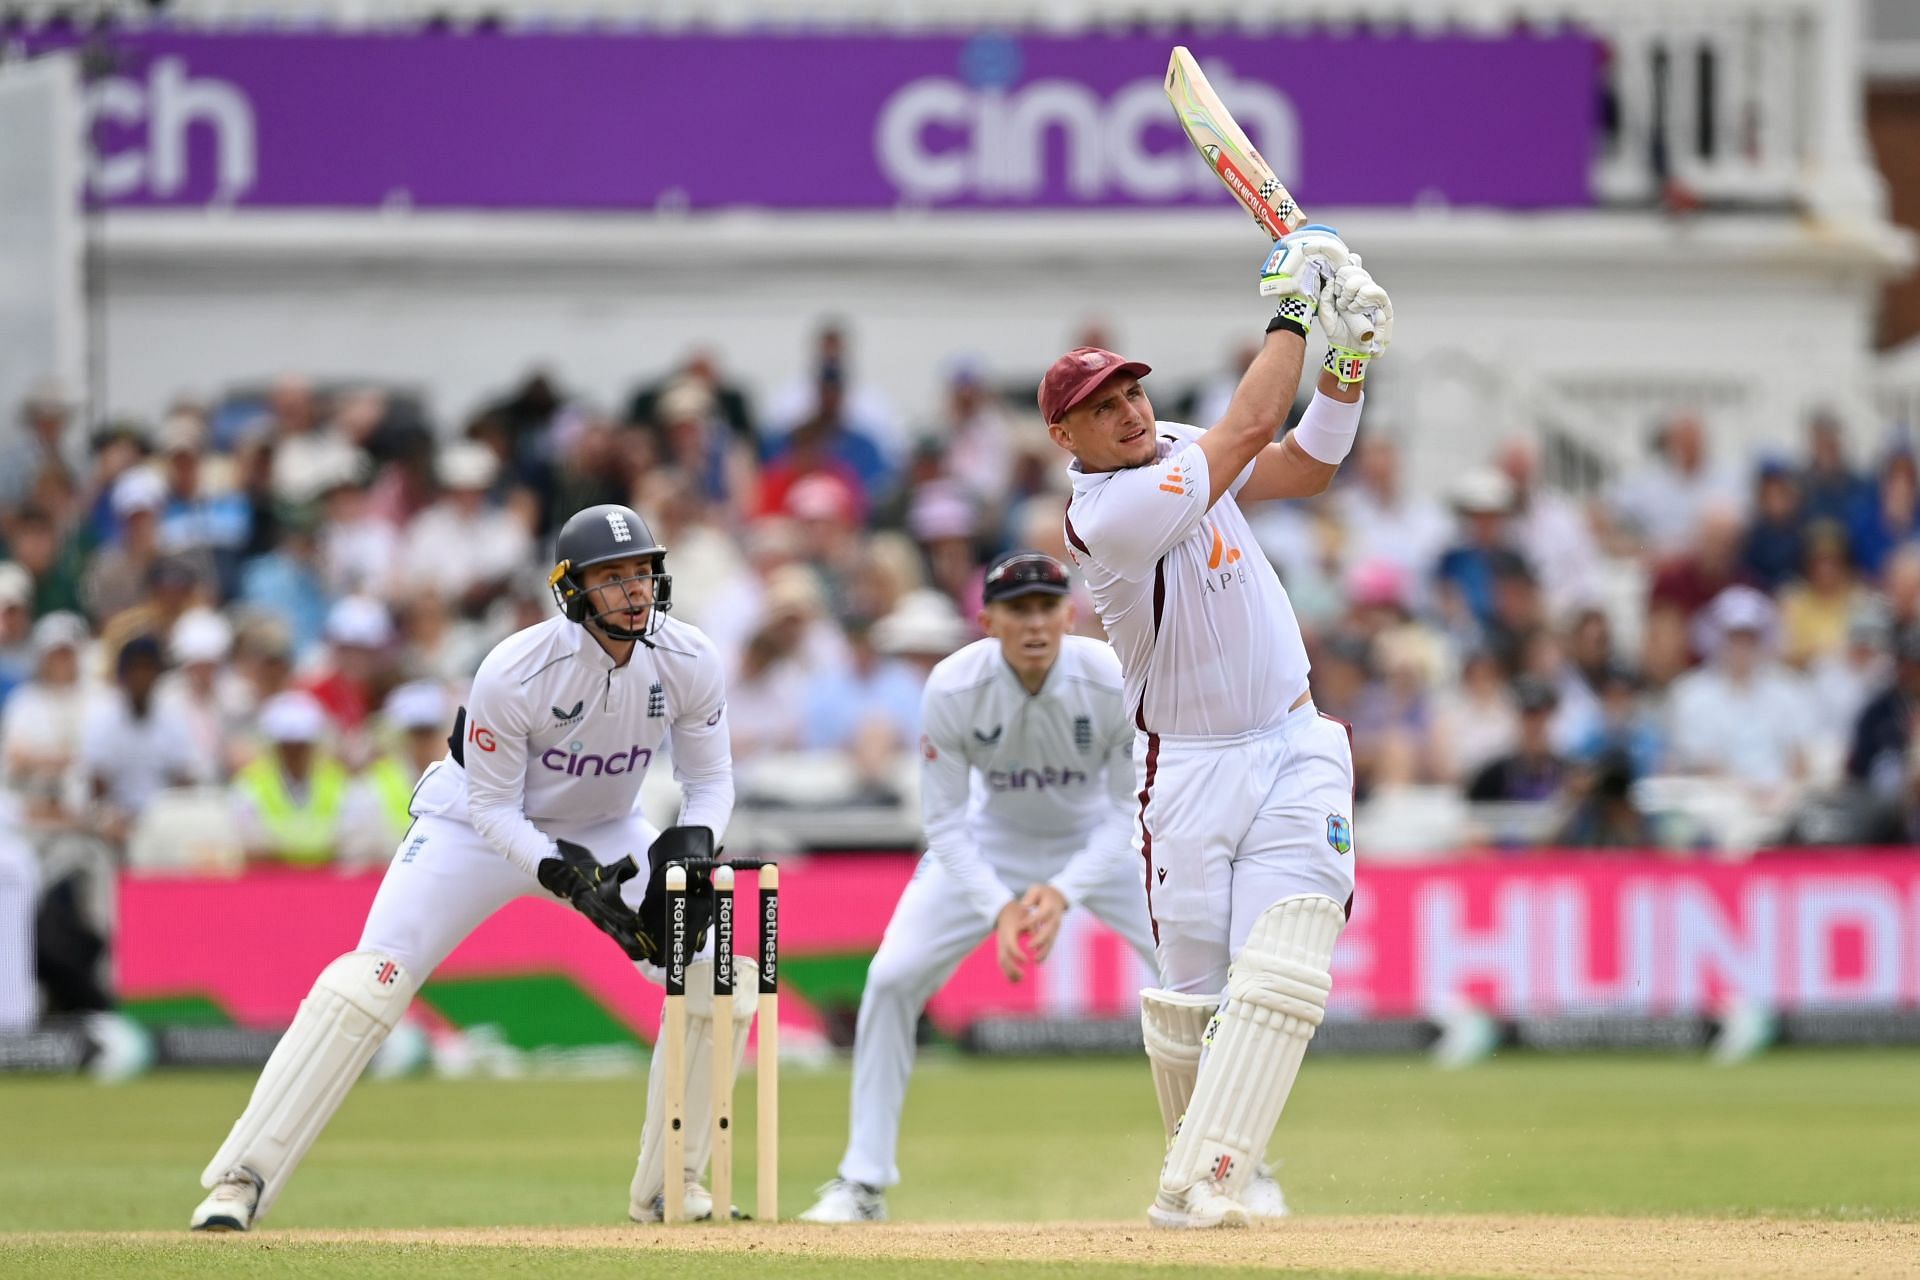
<point>626,122</point>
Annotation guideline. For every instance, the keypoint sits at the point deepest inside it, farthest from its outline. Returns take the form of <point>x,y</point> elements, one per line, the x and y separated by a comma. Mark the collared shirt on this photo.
<point>1002,767</point>
<point>1754,731</point>
<point>1204,630</point>
<point>554,732</point>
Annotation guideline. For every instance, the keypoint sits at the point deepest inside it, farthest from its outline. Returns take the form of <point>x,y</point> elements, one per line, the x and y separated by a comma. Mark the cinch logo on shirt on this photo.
<point>1174,482</point>
<point>576,762</point>
<point>1033,779</point>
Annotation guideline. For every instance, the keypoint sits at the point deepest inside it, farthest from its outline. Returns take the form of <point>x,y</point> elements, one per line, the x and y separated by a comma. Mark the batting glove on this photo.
<point>1357,317</point>
<point>1295,272</point>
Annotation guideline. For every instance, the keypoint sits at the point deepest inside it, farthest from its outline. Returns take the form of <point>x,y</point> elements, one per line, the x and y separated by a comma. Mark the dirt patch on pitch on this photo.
<point>1630,1248</point>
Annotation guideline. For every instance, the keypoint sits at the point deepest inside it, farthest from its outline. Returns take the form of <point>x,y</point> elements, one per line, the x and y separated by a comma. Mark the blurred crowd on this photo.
<point>279,595</point>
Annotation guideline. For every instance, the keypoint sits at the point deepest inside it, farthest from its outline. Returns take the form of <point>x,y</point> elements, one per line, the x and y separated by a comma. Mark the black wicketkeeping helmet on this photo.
<point>598,534</point>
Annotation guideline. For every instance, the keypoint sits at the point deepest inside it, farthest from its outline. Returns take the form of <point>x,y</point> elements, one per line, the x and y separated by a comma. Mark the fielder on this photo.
<point>1025,786</point>
<point>1245,807</point>
<point>535,795</point>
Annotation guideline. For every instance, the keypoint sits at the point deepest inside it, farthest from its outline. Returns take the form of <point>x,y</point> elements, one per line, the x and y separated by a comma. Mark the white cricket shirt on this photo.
<point>1001,766</point>
<point>554,732</point>
<point>1204,630</point>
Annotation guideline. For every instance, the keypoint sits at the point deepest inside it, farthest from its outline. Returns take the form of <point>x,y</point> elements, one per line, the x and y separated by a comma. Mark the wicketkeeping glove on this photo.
<point>594,890</point>
<point>691,846</point>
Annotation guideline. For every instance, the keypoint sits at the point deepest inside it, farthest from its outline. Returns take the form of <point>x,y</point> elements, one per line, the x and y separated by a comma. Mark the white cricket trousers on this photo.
<point>1230,826</point>
<point>932,930</point>
<point>19,899</point>
<point>445,879</point>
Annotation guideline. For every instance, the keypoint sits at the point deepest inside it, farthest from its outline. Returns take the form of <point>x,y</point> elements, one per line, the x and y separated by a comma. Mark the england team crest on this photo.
<point>1339,833</point>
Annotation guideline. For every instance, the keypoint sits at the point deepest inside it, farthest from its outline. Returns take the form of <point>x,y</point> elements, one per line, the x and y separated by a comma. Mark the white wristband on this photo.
<point>1327,428</point>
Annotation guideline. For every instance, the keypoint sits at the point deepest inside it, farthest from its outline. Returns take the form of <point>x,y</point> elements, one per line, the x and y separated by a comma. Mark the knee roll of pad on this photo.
<point>1174,1026</point>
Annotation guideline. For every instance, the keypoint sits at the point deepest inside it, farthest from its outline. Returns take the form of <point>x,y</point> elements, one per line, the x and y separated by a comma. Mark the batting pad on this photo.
<point>1173,1026</point>
<point>354,1003</point>
<point>1276,996</point>
<point>649,1178</point>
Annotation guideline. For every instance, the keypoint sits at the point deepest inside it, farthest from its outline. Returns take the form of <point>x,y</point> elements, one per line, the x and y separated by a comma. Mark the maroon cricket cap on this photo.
<point>1077,375</point>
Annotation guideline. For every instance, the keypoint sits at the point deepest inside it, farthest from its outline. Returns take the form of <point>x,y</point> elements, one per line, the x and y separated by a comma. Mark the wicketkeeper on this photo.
<point>535,796</point>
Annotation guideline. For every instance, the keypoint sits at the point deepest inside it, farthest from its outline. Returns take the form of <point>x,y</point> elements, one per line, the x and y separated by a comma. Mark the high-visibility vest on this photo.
<point>393,782</point>
<point>303,833</point>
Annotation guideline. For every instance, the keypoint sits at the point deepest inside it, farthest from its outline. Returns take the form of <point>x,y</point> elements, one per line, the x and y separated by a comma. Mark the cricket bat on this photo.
<point>1224,146</point>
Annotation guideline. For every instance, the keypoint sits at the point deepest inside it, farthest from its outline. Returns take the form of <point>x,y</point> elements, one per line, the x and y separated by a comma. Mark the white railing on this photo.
<point>1896,388</point>
<point>1728,102</point>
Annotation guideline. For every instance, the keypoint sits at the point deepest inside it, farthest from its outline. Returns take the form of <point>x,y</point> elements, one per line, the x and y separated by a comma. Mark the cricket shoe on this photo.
<point>696,1202</point>
<point>231,1203</point>
<point>843,1200</point>
<point>1262,1199</point>
<point>1200,1206</point>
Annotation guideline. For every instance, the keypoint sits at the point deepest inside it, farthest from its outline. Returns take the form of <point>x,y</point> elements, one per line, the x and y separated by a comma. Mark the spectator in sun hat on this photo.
<point>466,547</point>
<point>944,521</point>
<point>1483,501</point>
<point>40,722</point>
<point>117,579</point>
<point>355,669</point>
<point>923,628</point>
<point>1741,715</point>
<point>307,445</point>
<point>412,733</point>
<point>201,690</point>
<point>288,801</point>
<point>358,545</point>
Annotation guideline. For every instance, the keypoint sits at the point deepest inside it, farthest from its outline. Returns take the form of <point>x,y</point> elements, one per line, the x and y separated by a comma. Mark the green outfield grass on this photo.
<point>1826,1135</point>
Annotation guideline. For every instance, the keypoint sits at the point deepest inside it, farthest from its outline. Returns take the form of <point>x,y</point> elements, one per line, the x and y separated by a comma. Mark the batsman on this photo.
<point>1245,806</point>
<point>534,797</point>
